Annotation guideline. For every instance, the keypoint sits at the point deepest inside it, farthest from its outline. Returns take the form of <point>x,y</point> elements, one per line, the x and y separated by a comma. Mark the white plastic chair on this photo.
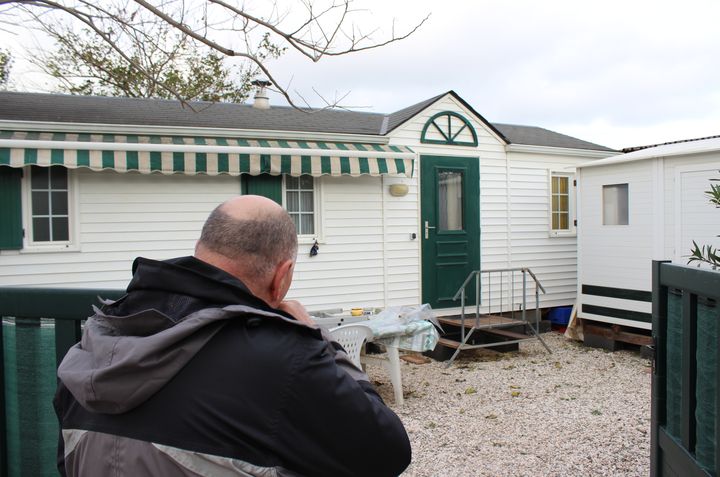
<point>351,338</point>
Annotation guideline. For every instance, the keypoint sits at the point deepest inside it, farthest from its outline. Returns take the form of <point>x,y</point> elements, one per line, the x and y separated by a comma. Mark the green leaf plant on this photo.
<point>707,253</point>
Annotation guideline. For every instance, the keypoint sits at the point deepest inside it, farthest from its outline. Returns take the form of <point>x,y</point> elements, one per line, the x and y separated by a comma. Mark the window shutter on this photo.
<point>264,185</point>
<point>11,231</point>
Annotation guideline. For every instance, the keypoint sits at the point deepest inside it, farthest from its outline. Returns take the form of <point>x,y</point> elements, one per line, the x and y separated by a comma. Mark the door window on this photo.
<point>450,200</point>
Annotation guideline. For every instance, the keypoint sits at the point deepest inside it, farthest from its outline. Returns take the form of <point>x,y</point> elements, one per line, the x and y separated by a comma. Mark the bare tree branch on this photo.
<point>325,29</point>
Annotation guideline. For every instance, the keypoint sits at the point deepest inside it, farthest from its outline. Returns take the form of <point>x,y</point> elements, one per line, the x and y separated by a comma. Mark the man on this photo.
<point>202,368</point>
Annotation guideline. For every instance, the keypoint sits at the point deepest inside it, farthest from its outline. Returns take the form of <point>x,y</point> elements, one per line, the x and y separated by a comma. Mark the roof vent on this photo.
<point>262,101</point>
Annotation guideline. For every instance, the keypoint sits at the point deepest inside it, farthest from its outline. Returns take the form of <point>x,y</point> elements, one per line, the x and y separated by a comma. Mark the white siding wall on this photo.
<point>553,259</point>
<point>366,256</point>
<point>122,216</point>
<point>348,270</point>
<point>617,256</point>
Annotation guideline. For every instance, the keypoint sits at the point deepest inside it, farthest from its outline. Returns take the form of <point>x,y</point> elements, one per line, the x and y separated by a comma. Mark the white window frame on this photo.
<point>317,210</point>
<point>70,245</point>
<point>572,194</point>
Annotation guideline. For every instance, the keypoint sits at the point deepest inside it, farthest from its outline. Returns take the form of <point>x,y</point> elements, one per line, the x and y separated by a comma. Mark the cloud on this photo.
<point>614,72</point>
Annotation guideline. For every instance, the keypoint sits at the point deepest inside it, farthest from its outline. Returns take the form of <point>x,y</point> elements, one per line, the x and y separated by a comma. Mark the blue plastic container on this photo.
<point>560,315</point>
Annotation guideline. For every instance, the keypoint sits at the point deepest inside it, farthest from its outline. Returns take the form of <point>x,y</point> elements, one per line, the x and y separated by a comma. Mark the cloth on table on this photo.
<point>407,327</point>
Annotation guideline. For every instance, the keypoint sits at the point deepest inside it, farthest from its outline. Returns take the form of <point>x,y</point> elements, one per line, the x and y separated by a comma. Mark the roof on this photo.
<point>637,148</point>
<point>159,112</point>
<point>536,136</point>
<point>45,107</point>
<point>679,148</point>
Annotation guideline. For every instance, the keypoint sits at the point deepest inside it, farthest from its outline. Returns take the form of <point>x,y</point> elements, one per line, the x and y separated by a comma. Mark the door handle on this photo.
<point>427,229</point>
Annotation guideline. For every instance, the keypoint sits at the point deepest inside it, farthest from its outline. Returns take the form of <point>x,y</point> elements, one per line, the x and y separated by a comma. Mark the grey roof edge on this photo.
<point>639,148</point>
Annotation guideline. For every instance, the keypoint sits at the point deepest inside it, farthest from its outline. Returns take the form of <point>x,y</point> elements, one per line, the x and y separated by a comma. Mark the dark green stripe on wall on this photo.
<point>617,313</point>
<point>622,293</point>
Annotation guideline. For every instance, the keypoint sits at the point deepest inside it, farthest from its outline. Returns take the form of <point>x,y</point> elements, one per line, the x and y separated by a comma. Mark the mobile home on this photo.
<point>400,207</point>
<point>649,204</point>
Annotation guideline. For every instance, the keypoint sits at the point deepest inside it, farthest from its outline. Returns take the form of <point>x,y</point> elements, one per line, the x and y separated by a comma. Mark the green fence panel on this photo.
<point>32,428</point>
<point>32,348</point>
<point>707,359</point>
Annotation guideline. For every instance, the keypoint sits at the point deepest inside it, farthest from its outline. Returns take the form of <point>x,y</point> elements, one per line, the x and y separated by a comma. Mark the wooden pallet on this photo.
<point>612,337</point>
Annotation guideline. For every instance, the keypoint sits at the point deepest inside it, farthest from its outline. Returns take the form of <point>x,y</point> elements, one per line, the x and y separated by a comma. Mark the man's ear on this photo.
<point>281,281</point>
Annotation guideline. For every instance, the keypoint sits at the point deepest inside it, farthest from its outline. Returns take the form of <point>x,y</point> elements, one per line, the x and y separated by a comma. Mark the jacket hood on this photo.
<point>123,359</point>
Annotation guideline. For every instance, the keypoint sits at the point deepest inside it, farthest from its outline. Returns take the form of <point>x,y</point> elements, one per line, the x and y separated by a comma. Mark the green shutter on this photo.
<point>264,185</point>
<point>11,231</point>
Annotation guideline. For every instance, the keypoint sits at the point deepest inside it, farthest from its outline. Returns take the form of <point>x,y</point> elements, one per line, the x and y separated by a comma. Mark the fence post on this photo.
<point>659,334</point>
<point>3,418</point>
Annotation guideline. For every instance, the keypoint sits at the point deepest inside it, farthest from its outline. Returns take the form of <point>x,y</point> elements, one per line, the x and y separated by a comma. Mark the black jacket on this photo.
<point>190,374</point>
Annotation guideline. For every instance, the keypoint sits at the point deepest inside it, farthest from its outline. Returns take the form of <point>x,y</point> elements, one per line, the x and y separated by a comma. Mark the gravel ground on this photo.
<point>576,412</point>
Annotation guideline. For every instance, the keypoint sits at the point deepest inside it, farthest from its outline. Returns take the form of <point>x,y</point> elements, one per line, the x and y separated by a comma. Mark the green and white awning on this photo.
<point>202,155</point>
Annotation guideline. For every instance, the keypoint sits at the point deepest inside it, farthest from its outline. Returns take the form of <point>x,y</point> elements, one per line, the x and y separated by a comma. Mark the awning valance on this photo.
<point>202,155</point>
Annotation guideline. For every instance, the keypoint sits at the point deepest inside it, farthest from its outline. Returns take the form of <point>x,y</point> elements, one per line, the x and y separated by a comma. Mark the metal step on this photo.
<point>508,334</point>
<point>484,321</point>
<point>449,343</point>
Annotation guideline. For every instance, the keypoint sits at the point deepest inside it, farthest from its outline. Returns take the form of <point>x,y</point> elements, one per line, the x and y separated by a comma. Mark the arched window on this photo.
<point>449,127</point>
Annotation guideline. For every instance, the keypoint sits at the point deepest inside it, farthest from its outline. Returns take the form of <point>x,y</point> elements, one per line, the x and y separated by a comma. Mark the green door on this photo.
<point>449,227</point>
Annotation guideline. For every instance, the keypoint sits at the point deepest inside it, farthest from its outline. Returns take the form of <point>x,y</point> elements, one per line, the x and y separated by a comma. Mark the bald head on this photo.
<point>252,232</point>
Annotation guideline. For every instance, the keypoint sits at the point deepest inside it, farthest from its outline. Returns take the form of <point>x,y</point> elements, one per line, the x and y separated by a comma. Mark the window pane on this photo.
<point>59,203</point>
<point>306,202</point>
<point>306,224</point>
<point>555,203</point>
<point>563,203</point>
<point>450,200</point>
<point>564,222</point>
<point>40,204</point>
<point>296,221</point>
<point>291,182</point>
<point>39,177</point>
<point>615,204</point>
<point>563,185</point>
<point>58,177</point>
<point>555,221</point>
<point>41,229</point>
<point>60,229</point>
<point>293,202</point>
<point>306,182</point>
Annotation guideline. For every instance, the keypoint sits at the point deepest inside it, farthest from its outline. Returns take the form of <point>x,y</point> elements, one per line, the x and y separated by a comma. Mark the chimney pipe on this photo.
<point>262,101</point>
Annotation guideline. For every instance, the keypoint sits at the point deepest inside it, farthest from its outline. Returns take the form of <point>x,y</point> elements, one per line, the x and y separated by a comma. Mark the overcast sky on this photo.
<point>617,73</point>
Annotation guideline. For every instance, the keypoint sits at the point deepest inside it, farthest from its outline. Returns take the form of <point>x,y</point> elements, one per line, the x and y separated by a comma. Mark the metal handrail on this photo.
<point>464,337</point>
<point>494,270</point>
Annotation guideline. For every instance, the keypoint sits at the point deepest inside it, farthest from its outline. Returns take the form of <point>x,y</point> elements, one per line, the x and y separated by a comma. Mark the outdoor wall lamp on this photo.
<point>398,190</point>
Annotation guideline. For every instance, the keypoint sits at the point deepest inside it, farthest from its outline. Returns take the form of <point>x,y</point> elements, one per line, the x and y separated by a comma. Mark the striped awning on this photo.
<point>202,155</point>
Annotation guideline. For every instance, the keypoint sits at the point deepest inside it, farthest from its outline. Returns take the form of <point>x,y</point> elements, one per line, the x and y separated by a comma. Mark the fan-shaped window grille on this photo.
<point>449,127</point>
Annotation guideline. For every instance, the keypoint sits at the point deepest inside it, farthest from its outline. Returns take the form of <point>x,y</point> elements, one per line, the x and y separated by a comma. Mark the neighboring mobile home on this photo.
<point>402,206</point>
<point>645,205</point>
